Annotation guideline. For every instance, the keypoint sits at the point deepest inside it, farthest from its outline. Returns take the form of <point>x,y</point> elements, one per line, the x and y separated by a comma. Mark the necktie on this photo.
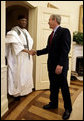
<point>51,36</point>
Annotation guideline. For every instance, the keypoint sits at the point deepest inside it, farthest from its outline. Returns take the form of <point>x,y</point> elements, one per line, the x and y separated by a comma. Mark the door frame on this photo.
<point>4,5</point>
<point>32,25</point>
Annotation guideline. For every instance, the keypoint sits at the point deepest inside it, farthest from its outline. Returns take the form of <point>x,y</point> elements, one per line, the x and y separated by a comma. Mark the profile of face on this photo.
<point>52,23</point>
<point>22,22</point>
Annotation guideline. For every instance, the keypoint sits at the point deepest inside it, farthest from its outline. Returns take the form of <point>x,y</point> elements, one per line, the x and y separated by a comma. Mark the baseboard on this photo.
<point>4,105</point>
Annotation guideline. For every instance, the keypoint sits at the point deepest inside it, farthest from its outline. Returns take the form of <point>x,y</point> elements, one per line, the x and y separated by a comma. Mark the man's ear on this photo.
<point>55,20</point>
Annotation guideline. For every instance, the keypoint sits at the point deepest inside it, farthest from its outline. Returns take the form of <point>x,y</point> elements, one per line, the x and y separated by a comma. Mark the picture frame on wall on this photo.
<point>81,19</point>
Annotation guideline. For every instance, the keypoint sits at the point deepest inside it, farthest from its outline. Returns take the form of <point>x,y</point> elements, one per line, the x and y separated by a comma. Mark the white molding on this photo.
<point>4,105</point>
<point>4,100</point>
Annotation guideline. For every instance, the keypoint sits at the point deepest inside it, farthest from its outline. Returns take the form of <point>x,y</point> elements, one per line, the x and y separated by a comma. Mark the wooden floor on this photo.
<point>30,107</point>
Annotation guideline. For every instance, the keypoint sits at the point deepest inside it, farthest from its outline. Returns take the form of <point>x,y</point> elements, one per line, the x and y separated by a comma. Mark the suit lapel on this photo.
<point>57,31</point>
<point>55,35</point>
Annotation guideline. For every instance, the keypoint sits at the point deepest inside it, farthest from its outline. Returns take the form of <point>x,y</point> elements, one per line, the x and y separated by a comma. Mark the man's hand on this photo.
<point>58,69</point>
<point>32,52</point>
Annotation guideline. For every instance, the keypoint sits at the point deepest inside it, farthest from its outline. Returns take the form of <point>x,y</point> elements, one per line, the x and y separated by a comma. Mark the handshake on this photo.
<point>32,52</point>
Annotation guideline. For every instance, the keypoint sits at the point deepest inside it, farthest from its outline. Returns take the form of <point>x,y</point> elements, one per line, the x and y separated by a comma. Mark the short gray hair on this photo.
<point>57,17</point>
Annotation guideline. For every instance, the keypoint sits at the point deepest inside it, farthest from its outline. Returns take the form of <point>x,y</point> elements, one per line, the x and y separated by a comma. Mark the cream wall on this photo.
<point>2,34</point>
<point>4,101</point>
<point>69,6</point>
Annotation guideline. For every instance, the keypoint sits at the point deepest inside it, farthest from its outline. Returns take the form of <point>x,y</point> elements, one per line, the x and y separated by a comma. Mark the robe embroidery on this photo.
<point>18,32</point>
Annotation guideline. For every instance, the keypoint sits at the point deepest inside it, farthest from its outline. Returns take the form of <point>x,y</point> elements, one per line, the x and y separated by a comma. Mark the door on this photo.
<point>43,31</point>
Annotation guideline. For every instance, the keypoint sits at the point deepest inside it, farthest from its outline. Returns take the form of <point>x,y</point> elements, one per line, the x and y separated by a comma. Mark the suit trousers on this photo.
<point>57,82</point>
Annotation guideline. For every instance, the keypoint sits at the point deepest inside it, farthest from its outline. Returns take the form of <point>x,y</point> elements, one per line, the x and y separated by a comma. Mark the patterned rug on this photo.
<point>30,107</point>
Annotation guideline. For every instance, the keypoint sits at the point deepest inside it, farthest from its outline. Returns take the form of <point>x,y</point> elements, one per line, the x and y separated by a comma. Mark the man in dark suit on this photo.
<point>58,48</point>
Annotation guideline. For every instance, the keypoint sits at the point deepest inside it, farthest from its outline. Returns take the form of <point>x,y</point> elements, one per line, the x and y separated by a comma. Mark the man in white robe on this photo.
<point>19,59</point>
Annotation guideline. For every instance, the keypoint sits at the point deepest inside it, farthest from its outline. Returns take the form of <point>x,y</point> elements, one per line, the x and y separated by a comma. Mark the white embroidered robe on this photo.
<point>20,66</point>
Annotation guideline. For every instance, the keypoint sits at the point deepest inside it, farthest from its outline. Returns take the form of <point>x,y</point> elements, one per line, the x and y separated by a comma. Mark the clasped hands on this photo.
<point>32,52</point>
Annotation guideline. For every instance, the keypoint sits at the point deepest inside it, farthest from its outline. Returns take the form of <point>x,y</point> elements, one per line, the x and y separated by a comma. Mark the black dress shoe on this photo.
<point>49,106</point>
<point>17,98</point>
<point>66,114</point>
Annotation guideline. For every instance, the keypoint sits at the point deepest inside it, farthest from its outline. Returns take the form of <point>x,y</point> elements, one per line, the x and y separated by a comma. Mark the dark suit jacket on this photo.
<point>59,49</point>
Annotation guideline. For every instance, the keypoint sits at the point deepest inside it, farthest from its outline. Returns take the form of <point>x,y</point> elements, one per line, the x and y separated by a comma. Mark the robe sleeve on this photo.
<point>17,47</point>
